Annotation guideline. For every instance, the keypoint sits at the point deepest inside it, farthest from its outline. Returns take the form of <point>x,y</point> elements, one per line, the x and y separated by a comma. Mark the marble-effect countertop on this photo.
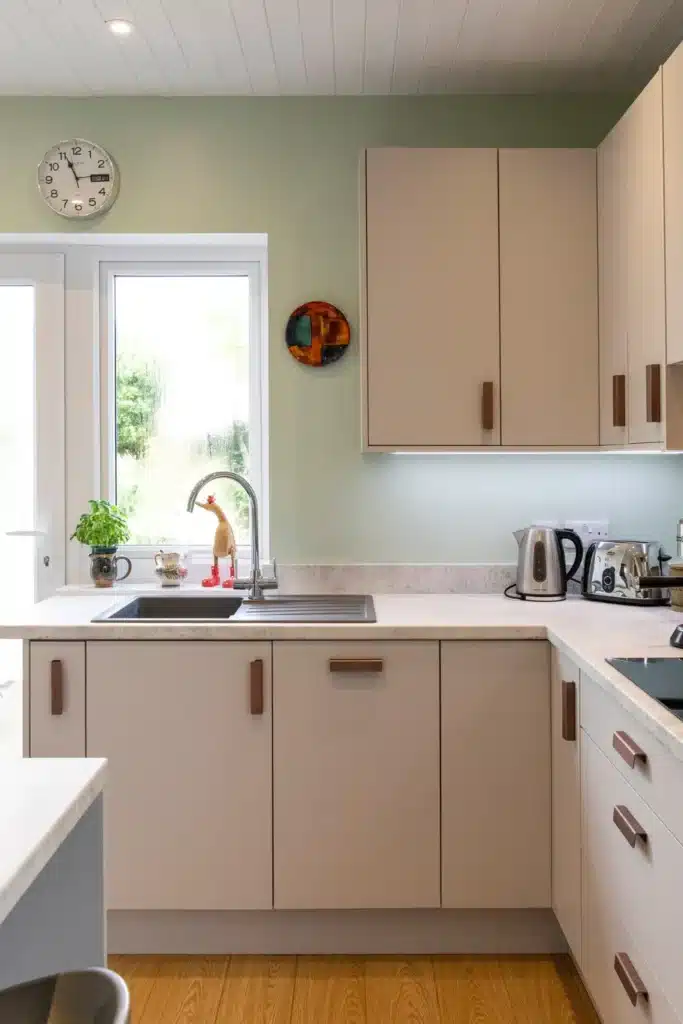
<point>588,632</point>
<point>41,801</point>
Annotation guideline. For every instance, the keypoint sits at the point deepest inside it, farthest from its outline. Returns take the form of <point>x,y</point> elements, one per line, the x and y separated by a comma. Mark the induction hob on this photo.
<point>661,678</point>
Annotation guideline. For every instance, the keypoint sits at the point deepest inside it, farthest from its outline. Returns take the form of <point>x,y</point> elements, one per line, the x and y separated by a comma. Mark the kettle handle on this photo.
<point>576,541</point>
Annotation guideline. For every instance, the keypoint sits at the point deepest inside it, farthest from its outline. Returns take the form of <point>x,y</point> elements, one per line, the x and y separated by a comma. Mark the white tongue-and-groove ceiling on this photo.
<point>328,47</point>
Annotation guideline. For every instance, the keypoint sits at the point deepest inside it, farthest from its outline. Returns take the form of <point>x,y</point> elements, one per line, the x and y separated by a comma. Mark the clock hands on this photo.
<point>73,170</point>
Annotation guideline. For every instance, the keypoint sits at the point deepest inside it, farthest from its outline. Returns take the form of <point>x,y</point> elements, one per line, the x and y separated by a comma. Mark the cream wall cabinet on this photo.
<point>495,774</point>
<point>549,298</point>
<point>57,699</point>
<point>566,799</point>
<point>456,354</point>
<point>186,727</point>
<point>356,775</point>
<point>433,343</point>
<point>673,187</point>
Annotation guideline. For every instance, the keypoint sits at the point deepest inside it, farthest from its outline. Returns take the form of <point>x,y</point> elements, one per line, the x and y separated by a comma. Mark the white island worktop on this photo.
<point>589,632</point>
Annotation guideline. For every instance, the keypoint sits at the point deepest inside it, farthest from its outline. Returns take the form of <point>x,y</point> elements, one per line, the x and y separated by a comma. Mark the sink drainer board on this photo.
<point>223,607</point>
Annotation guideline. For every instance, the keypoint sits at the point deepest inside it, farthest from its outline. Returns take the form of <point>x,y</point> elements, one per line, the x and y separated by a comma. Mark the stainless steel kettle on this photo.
<point>542,572</point>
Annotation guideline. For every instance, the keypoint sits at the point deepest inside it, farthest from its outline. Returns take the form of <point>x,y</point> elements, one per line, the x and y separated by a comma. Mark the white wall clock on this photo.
<point>78,179</point>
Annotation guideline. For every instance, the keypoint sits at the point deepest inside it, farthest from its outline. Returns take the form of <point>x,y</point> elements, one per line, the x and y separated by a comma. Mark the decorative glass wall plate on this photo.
<point>317,333</point>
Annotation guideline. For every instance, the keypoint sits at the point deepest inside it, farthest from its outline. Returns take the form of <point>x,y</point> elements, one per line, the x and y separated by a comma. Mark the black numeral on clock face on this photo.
<point>48,179</point>
<point>101,192</point>
<point>78,207</point>
<point>62,156</point>
<point>76,150</point>
<point>101,164</point>
<point>65,203</point>
<point>54,167</point>
<point>92,202</point>
<point>54,194</point>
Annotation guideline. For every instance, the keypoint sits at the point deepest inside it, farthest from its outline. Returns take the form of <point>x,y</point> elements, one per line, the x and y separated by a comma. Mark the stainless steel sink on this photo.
<point>223,607</point>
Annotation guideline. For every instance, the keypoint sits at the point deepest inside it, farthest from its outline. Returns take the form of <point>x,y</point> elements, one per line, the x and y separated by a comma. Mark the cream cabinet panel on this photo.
<point>645,293</point>
<point>188,806</point>
<point>57,699</point>
<point>495,774</point>
<point>356,775</point>
<point>613,287</point>
<point>673,187</point>
<point>566,799</point>
<point>549,297</point>
<point>432,372</point>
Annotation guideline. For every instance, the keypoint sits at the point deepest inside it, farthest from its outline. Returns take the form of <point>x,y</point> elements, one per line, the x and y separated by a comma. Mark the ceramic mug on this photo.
<point>104,567</point>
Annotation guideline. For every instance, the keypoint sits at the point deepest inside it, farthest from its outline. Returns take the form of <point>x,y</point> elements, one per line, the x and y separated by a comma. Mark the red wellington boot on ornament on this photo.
<point>214,580</point>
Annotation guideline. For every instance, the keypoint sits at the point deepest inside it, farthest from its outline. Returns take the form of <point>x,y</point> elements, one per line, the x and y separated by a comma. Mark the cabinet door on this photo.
<point>566,800</point>
<point>495,774</point>
<point>673,186</point>
<point>613,287</point>
<point>549,297</point>
<point>57,696</point>
<point>646,271</point>
<point>432,297</point>
<point>356,775</point>
<point>189,790</point>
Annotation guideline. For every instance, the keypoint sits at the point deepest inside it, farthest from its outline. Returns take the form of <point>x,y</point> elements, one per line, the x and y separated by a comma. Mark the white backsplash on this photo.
<point>395,579</point>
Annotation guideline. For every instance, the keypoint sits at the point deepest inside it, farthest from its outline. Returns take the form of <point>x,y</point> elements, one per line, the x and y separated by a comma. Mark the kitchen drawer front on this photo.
<point>637,880</point>
<point>604,937</point>
<point>659,778</point>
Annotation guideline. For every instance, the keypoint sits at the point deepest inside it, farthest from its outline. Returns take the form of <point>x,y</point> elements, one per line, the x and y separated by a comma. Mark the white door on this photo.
<point>32,425</point>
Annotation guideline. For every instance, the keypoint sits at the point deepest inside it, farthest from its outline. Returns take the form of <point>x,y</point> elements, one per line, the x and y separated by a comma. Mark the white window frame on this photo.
<point>142,555</point>
<point>83,252</point>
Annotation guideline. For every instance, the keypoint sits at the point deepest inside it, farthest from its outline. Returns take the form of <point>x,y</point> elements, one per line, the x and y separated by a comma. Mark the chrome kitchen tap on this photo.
<point>256,584</point>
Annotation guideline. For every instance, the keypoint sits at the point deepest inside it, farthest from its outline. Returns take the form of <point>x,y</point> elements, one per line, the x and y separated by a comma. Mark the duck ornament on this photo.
<point>224,545</point>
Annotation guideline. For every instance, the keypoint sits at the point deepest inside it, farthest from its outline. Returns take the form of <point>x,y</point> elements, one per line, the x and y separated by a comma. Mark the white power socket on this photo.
<point>589,529</point>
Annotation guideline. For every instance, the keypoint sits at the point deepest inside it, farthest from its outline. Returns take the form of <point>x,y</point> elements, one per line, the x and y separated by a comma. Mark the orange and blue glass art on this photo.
<point>317,333</point>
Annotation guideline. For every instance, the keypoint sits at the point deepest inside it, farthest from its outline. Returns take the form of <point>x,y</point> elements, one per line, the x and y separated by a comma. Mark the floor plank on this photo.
<point>329,990</point>
<point>471,990</point>
<point>537,992</point>
<point>139,973</point>
<point>401,991</point>
<point>187,990</point>
<point>258,990</point>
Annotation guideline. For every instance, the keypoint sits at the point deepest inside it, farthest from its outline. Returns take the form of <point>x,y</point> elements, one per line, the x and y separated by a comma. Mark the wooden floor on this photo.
<point>347,990</point>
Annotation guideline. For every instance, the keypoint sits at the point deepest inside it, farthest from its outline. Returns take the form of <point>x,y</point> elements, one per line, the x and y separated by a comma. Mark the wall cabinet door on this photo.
<point>495,775</point>
<point>673,187</point>
<point>431,277</point>
<point>356,775</point>
<point>613,286</point>
<point>646,308</point>
<point>549,297</point>
<point>566,800</point>
<point>57,699</point>
<point>188,806</point>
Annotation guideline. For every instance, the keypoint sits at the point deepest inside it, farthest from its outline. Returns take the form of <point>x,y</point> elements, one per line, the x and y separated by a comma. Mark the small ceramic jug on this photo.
<point>104,567</point>
<point>170,568</point>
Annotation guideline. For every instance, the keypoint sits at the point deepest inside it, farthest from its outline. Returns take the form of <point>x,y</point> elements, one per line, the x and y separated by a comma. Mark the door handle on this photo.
<point>629,977</point>
<point>56,687</point>
<point>630,827</point>
<point>487,410</point>
<point>628,749</point>
<point>568,710</point>
<point>619,400</point>
<point>653,383</point>
<point>256,701</point>
<point>356,666</point>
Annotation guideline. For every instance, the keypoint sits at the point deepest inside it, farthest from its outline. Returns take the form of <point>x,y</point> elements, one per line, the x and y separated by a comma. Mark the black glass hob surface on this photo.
<point>661,678</point>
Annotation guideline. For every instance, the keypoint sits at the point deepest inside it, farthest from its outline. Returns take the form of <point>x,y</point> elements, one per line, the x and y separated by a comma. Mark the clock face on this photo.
<point>78,179</point>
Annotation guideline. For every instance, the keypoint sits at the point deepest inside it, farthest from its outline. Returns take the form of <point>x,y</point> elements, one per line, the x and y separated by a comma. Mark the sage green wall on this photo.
<point>289,167</point>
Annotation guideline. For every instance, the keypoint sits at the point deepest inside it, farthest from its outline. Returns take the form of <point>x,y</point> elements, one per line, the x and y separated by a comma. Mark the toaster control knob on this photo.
<point>608,580</point>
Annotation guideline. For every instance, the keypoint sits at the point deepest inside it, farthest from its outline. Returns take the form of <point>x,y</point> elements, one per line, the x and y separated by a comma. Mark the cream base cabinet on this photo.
<point>549,298</point>
<point>495,774</point>
<point>566,799</point>
<point>188,809</point>
<point>432,342</point>
<point>356,775</point>
<point>57,699</point>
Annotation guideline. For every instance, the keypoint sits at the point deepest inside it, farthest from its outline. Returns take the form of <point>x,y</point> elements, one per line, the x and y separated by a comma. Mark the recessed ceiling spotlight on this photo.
<point>119,27</point>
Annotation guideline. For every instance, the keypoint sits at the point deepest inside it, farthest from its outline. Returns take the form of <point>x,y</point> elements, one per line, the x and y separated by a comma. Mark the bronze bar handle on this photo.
<point>619,400</point>
<point>356,665</point>
<point>628,749</point>
<point>256,687</point>
<point>56,688</point>
<point>630,827</point>
<point>629,977</point>
<point>653,382</point>
<point>568,710</point>
<point>487,411</point>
